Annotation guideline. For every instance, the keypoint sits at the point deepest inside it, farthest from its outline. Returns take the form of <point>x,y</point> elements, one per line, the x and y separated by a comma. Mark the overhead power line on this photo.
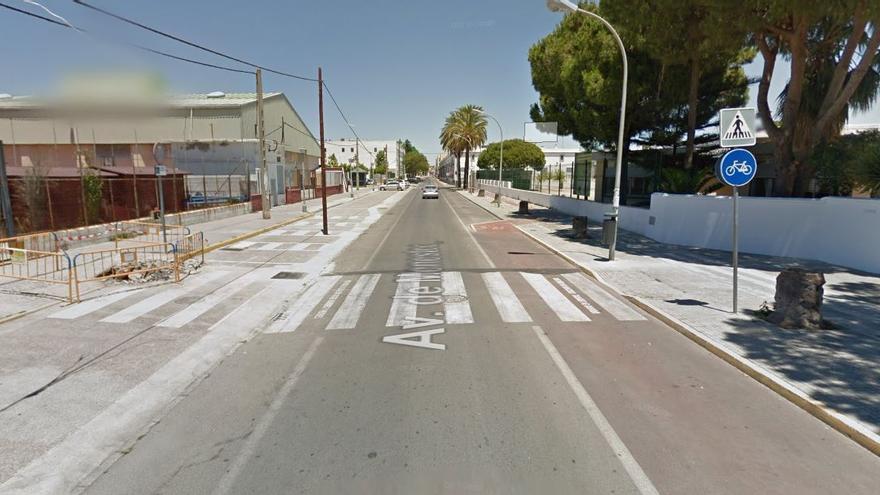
<point>68,25</point>
<point>190,43</point>
<point>344,118</point>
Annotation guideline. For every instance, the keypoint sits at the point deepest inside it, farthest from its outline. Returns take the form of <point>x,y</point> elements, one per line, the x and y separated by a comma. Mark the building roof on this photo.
<point>217,99</point>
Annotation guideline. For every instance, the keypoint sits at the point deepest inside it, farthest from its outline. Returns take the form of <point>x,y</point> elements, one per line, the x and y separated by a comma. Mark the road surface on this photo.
<point>445,352</point>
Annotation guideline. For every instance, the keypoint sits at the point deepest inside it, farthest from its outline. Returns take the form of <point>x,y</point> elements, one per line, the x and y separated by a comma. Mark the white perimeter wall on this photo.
<point>841,231</point>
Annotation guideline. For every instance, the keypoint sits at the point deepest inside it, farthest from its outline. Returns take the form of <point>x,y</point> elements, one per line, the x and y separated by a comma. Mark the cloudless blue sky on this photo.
<point>397,67</point>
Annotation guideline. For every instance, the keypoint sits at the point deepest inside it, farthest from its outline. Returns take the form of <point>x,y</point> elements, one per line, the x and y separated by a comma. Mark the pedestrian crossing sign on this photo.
<point>737,127</point>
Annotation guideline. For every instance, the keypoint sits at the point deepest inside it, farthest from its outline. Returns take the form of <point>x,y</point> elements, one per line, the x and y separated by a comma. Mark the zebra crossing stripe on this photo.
<point>611,304</point>
<point>355,302</point>
<point>76,310</point>
<point>456,311</point>
<point>575,295</point>
<point>269,246</point>
<point>167,295</point>
<point>242,244</point>
<point>202,306</point>
<point>332,299</point>
<point>402,307</point>
<point>506,302</point>
<point>561,305</point>
<point>305,303</point>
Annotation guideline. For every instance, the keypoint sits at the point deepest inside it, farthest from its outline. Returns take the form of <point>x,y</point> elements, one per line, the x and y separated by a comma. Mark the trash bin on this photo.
<point>609,230</point>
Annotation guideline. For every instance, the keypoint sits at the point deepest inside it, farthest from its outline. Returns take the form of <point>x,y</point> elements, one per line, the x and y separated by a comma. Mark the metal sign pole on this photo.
<point>735,247</point>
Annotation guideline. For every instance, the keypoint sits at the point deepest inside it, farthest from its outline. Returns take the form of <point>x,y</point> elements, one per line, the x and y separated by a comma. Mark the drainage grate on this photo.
<point>289,275</point>
<point>518,252</point>
<point>231,249</point>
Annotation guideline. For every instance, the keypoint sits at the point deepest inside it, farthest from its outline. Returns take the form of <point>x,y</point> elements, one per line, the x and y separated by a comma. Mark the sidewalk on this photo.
<point>22,297</point>
<point>836,369</point>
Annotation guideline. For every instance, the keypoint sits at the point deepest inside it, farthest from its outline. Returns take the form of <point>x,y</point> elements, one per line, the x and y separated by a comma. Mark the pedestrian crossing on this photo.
<point>337,302</point>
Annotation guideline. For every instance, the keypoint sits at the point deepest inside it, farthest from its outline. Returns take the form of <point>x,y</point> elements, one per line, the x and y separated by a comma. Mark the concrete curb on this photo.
<point>855,431</point>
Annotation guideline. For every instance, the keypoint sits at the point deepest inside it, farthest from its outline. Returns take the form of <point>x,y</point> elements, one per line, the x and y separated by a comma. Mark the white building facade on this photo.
<point>347,151</point>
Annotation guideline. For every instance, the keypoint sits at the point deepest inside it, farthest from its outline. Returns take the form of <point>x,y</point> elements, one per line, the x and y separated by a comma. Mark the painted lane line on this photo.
<point>456,311</point>
<point>508,305</point>
<point>269,246</point>
<point>304,304</point>
<point>332,299</point>
<point>636,474</point>
<point>577,297</point>
<point>249,449</point>
<point>167,295</point>
<point>601,297</point>
<point>349,312</point>
<point>470,234</point>
<point>402,307</point>
<point>561,305</point>
<point>84,308</point>
<point>199,308</point>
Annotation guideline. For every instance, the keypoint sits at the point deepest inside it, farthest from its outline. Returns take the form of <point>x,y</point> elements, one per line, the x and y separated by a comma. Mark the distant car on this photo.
<point>390,184</point>
<point>430,192</point>
<point>402,185</point>
<point>369,182</point>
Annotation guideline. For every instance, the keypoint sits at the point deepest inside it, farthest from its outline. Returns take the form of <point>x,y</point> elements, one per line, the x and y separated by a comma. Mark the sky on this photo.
<point>396,67</point>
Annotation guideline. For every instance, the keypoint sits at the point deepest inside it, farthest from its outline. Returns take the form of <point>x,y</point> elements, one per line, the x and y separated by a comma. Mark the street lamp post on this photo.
<point>302,180</point>
<point>500,156</point>
<point>567,5</point>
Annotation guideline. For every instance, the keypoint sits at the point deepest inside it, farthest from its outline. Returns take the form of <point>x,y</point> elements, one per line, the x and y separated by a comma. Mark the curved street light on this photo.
<point>567,5</point>
<point>501,156</point>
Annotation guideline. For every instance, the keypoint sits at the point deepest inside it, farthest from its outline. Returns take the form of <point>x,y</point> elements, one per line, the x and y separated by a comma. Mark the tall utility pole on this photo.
<point>323,148</point>
<point>261,133</point>
<point>357,161</point>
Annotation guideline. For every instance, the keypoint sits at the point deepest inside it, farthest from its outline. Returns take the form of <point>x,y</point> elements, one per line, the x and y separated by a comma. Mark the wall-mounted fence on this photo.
<point>139,256</point>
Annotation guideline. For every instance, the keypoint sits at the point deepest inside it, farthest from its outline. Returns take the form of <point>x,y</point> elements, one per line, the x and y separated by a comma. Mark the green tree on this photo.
<point>93,192</point>
<point>415,163</point>
<point>381,164</point>
<point>559,176</point>
<point>577,72</point>
<point>690,35</point>
<point>465,129</point>
<point>517,154</point>
<point>332,162</point>
<point>833,49</point>
<point>848,164</point>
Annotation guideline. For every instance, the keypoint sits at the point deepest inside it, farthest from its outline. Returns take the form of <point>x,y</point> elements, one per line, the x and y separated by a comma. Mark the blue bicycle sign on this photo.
<point>737,167</point>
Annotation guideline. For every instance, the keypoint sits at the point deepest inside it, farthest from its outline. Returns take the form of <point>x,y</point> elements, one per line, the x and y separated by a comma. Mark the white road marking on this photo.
<point>269,246</point>
<point>332,300</point>
<point>249,449</point>
<point>611,304</point>
<point>636,474</point>
<point>165,296</point>
<point>304,304</point>
<point>423,339</point>
<point>509,307</point>
<point>300,246</point>
<point>277,232</point>
<point>349,312</point>
<point>303,233</point>
<point>65,465</point>
<point>84,308</point>
<point>342,224</point>
<point>468,231</point>
<point>402,306</point>
<point>456,311</point>
<point>576,296</point>
<point>561,305</point>
<point>199,308</point>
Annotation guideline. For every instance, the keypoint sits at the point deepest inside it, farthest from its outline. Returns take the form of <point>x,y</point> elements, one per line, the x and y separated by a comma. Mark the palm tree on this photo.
<point>465,127</point>
<point>452,141</point>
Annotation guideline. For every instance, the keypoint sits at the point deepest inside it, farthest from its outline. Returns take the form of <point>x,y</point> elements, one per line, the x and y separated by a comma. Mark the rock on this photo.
<point>579,225</point>
<point>523,208</point>
<point>481,193</point>
<point>798,302</point>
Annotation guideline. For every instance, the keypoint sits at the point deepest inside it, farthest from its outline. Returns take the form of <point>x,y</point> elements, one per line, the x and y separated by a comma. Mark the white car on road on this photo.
<point>430,191</point>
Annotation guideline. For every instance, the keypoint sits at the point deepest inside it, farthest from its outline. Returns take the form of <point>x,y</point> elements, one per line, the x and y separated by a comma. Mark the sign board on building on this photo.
<point>737,127</point>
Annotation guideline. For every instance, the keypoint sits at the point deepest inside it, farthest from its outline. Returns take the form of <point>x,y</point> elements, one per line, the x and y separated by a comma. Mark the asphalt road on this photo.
<point>445,352</point>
